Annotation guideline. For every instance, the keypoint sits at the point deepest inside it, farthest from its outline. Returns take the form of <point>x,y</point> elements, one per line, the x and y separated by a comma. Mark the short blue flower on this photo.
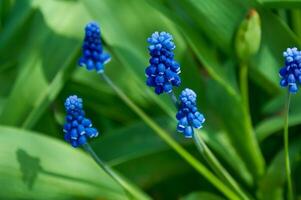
<point>93,55</point>
<point>77,128</point>
<point>291,73</point>
<point>163,71</point>
<point>188,116</point>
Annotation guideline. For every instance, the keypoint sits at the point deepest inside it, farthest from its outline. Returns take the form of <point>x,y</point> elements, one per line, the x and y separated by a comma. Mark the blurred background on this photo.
<point>40,43</point>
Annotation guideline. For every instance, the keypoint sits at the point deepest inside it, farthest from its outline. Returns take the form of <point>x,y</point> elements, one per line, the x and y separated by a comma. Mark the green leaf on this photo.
<point>202,195</point>
<point>296,24</point>
<point>16,20</point>
<point>280,3</point>
<point>218,19</point>
<point>45,64</point>
<point>235,121</point>
<point>267,127</point>
<point>38,167</point>
<point>220,143</point>
<point>117,151</point>
<point>14,28</point>
<point>5,8</point>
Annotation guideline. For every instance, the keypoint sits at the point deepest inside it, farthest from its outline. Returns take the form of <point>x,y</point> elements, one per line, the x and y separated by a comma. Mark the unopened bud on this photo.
<point>248,36</point>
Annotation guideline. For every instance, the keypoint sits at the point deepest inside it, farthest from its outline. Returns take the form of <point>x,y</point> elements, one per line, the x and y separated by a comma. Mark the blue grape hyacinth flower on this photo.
<point>291,73</point>
<point>77,127</point>
<point>188,115</point>
<point>163,71</point>
<point>93,56</point>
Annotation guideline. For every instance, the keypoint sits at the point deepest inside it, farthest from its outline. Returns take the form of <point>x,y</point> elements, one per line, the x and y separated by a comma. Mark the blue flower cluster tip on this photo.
<point>77,128</point>
<point>93,55</point>
<point>291,73</point>
<point>163,71</point>
<point>188,116</point>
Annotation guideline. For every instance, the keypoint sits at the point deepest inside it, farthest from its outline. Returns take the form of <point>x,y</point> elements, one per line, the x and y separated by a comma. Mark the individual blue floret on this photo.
<point>163,71</point>
<point>77,128</point>
<point>93,56</point>
<point>188,116</point>
<point>291,73</point>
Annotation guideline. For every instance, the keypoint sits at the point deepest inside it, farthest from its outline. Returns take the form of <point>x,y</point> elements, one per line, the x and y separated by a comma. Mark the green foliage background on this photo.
<point>40,43</point>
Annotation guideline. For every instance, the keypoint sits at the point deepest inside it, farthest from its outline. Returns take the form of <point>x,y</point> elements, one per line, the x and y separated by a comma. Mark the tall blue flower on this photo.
<point>291,72</point>
<point>77,128</point>
<point>93,55</point>
<point>188,116</point>
<point>163,71</point>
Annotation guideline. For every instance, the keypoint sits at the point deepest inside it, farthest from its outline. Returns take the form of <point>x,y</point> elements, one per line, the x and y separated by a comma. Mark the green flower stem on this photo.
<point>243,81</point>
<point>173,98</point>
<point>243,75</point>
<point>286,146</point>
<point>129,189</point>
<point>173,144</point>
<point>215,164</point>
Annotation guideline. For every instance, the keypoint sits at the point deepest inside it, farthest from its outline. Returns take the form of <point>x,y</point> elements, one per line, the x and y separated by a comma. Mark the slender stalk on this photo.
<point>173,98</point>
<point>247,120</point>
<point>173,144</point>
<point>129,189</point>
<point>286,146</point>
<point>215,164</point>
<point>243,76</point>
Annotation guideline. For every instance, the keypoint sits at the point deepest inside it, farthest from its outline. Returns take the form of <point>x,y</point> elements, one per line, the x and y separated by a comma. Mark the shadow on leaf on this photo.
<point>30,167</point>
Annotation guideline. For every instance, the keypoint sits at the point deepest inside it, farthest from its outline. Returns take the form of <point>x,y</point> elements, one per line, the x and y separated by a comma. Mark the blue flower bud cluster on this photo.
<point>291,73</point>
<point>93,56</point>
<point>188,116</point>
<point>163,71</point>
<point>77,128</point>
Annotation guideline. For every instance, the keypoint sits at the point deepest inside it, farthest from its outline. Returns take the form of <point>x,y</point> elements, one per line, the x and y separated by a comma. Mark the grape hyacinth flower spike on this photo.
<point>290,77</point>
<point>188,115</point>
<point>93,58</point>
<point>189,118</point>
<point>78,129</point>
<point>163,71</point>
<point>291,72</point>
